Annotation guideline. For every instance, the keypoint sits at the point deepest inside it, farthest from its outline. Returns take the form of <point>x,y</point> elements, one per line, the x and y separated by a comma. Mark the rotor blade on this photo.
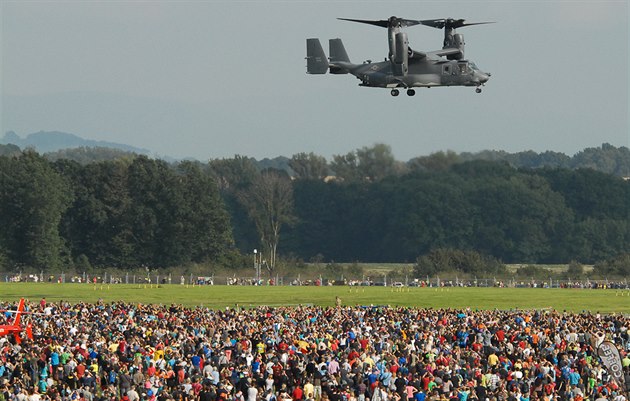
<point>381,23</point>
<point>385,23</point>
<point>410,22</point>
<point>478,23</point>
<point>435,23</point>
<point>450,23</point>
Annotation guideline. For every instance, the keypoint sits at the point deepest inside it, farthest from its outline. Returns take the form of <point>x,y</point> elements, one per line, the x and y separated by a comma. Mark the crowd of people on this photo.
<point>135,352</point>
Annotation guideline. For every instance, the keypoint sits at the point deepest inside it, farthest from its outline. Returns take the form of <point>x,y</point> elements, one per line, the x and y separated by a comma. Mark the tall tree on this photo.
<point>309,166</point>
<point>33,197</point>
<point>203,225</point>
<point>96,224</point>
<point>233,176</point>
<point>269,203</point>
<point>346,167</point>
<point>377,162</point>
<point>439,161</point>
<point>367,164</point>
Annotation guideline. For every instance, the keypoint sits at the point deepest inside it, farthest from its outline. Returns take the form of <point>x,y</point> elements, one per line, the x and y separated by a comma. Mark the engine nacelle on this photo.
<point>455,41</point>
<point>401,55</point>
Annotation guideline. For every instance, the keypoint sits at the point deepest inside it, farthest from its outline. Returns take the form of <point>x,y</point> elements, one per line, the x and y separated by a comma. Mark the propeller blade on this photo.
<point>385,23</point>
<point>450,23</point>
<point>434,23</point>
<point>479,23</point>
<point>410,22</point>
<point>381,23</point>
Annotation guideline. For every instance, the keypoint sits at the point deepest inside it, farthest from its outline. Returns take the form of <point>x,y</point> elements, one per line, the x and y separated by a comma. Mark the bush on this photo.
<point>532,271</point>
<point>618,266</point>
<point>575,270</point>
<point>462,262</point>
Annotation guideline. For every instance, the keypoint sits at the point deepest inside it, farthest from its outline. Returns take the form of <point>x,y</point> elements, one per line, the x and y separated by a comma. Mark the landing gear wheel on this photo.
<point>395,92</point>
<point>478,90</point>
<point>411,92</point>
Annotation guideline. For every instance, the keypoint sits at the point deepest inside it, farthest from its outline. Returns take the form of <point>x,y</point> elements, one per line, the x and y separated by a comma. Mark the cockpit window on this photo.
<point>473,66</point>
<point>463,68</point>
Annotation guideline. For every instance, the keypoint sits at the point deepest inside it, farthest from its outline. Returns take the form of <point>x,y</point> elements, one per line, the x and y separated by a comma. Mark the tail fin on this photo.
<point>16,321</point>
<point>18,315</point>
<point>337,51</point>
<point>337,55</point>
<point>316,62</point>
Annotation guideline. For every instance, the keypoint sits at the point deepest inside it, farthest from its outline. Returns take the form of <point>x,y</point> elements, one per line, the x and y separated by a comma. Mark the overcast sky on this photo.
<point>211,79</point>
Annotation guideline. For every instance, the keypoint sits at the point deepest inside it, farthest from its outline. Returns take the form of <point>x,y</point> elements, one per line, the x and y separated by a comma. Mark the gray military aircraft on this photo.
<point>405,67</point>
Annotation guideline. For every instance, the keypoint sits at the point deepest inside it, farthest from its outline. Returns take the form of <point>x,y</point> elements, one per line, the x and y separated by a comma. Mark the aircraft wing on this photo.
<point>415,54</point>
<point>418,55</point>
<point>445,52</point>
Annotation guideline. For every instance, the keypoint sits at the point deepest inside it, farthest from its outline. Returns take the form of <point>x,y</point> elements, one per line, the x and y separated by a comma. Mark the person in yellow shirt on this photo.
<point>113,347</point>
<point>260,348</point>
<point>158,354</point>
<point>94,367</point>
<point>369,361</point>
<point>493,359</point>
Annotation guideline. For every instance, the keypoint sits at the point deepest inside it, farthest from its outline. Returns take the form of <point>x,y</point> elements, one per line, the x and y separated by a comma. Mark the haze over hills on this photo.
<point>52,141</point>
<point>61,145</point>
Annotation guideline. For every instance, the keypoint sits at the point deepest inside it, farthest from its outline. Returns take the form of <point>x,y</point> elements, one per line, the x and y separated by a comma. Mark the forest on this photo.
<point>132,211</point>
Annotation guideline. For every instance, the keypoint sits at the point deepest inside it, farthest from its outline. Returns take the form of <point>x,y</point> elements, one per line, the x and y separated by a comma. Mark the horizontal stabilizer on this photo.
<point>316,62</point>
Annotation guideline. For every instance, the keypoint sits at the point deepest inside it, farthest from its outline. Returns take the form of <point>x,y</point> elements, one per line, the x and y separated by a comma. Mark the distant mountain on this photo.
<point>52,141</point>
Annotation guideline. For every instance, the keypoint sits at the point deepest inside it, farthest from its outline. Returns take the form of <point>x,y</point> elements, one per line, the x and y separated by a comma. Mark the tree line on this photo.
<point>363,206</point>
<point>518,216</point>
<point>122,213</point>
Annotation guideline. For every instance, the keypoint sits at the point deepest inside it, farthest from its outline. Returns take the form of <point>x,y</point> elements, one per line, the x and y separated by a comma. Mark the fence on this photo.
<point>164,278</point>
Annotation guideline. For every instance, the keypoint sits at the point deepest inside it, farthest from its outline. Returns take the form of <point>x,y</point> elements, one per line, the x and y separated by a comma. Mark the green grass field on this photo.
<point>575,300</point>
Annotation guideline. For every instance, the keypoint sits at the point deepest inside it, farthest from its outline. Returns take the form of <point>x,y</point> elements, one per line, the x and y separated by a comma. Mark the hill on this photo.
<point>52,141</point>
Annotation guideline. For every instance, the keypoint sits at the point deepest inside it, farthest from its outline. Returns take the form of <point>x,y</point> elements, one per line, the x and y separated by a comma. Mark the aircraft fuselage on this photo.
<point>424,73</point>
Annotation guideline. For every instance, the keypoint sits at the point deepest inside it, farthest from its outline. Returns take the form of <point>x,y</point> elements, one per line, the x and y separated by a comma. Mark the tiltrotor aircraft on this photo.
<point>405,67</point>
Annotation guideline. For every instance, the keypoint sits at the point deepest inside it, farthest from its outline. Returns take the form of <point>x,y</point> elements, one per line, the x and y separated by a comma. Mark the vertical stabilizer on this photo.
<point>337,51</point>
<point>16,322</point>
<point>18,315</point>
<point>316,62</point>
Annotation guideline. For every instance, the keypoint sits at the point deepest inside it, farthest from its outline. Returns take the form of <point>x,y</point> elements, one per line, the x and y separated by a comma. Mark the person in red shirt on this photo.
<point>80,370</point>
<point>500,335</point>
<point>352,356</point>
<point>283,346</point>
<point>277,369</point>
<point>297,393</point>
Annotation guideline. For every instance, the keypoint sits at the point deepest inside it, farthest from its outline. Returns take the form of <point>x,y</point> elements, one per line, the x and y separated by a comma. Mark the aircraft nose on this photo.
<point>484,77</point>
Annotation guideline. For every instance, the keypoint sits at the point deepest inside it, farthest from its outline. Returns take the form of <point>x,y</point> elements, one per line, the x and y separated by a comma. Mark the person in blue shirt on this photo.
<point>196,362</point>
<point>419,395</point>
<point>463,393</point>
<point>574,378</point>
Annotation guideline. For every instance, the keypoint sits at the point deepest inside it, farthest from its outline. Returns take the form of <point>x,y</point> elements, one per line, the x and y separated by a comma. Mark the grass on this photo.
<point>574,300</point>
